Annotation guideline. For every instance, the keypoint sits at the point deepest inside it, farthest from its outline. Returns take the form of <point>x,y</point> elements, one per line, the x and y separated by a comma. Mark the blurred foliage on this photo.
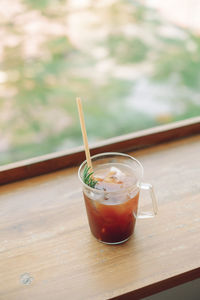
<point>119,48</point>
<point>38,113</point>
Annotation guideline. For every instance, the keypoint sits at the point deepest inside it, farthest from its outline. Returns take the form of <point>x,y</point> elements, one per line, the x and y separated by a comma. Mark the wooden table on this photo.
<point>48,252</point>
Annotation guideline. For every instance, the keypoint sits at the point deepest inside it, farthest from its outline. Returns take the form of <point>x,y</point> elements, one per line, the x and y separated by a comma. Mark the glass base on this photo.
<point>116,243</point>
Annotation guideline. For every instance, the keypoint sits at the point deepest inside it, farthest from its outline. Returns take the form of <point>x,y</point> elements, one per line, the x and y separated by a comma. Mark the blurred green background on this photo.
<point>132,68</point>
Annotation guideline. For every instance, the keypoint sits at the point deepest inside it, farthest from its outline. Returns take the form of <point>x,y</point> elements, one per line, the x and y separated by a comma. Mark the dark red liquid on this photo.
<point>112,220</point>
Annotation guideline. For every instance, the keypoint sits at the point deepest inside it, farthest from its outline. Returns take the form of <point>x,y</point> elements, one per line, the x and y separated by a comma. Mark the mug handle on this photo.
<point>145,215</point>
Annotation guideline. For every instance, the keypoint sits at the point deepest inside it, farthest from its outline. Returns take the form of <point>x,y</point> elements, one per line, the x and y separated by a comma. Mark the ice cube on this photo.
<point>118,172</point>
<point>115,175</point>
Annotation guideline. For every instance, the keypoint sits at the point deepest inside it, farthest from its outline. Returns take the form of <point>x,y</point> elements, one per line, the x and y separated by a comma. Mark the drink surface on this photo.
<point>111,216</point>
<point>114,177</point>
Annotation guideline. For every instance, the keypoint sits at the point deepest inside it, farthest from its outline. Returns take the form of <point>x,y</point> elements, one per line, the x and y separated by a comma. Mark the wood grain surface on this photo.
<point>48,252</point>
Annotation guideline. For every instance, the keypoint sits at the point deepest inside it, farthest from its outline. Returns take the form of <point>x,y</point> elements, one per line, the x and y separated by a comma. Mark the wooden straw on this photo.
<point>84,133</point>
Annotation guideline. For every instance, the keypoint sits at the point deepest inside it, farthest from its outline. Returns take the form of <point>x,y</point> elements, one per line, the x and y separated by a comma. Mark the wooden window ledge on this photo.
<point>48,252</point>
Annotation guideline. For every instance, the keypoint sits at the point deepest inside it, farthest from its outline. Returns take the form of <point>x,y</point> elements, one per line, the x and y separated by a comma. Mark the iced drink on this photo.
<point>111,216</point>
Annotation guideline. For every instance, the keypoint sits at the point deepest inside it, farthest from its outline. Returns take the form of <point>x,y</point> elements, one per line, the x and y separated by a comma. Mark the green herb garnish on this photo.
<point>87,177</point>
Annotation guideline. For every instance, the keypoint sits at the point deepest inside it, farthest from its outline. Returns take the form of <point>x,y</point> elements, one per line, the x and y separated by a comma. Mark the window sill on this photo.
<point>45,233</point>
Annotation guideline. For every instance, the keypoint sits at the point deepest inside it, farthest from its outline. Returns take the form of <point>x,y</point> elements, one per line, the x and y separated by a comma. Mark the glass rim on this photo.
<point>108,154</point>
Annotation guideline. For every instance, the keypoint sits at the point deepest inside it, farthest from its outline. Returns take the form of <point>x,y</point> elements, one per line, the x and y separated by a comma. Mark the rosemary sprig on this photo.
<point>87,177</point>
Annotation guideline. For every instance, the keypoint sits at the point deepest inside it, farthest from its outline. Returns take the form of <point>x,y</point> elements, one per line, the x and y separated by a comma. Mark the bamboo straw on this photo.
<point>84,133</point>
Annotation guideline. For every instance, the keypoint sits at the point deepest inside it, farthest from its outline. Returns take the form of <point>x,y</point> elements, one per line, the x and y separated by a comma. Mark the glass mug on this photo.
<point>112,206</point>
